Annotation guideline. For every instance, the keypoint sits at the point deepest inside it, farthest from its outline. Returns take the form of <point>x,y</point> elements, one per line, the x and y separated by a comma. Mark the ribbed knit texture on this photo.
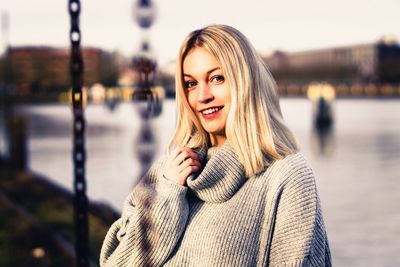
<point>222,218</point>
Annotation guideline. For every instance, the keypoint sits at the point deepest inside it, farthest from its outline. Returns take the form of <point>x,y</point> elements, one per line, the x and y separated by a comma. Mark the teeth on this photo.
<point>210,110</point>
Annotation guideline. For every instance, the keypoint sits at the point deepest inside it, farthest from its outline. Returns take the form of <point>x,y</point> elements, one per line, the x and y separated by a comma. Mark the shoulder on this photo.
<point>291,169</point>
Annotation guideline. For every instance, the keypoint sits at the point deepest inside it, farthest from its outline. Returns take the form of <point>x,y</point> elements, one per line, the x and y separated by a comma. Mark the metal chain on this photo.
<point>79,156</point>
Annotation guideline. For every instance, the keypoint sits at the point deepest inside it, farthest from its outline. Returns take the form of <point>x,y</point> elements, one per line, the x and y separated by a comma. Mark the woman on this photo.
<point>234,190</point>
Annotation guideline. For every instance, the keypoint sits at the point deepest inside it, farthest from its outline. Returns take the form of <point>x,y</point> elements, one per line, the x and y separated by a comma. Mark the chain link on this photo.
<point>79,155</point>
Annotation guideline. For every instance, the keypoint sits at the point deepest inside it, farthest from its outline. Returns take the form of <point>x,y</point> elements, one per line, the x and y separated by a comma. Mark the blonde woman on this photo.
<point>234,190</point>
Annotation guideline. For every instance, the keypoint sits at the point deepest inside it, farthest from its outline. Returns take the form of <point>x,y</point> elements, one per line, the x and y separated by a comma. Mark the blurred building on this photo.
<point>377,63</point>
<point>166,77</point>
<point>45,69</point>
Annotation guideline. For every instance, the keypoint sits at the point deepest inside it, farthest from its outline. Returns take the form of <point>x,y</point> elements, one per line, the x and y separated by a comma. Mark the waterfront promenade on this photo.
<point>356,166</point>
<point>36,221</point>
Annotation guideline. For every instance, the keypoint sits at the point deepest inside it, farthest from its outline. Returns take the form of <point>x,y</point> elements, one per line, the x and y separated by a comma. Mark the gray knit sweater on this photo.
<point>222,218</point>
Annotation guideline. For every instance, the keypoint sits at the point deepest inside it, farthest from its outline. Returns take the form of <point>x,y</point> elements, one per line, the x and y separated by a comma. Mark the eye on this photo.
<point>190,84</point>
<point>218,79</point>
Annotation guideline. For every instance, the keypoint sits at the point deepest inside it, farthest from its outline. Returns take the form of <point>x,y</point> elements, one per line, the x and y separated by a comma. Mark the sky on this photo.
<point>287,25</point>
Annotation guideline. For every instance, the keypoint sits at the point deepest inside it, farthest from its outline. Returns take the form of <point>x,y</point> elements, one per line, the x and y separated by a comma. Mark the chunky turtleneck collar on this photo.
<point>221,177</point>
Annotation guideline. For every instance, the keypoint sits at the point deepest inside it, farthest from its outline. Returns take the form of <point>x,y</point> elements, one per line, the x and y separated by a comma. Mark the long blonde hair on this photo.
<point>254,128</point>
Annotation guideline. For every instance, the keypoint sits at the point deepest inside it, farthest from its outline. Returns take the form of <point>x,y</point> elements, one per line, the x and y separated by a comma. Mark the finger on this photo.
<point>184,155</point>
<point>191,152</point>
<point>188,162</point>
<point>176,152</point>
<point>189,170</point>
<point>181,157</point>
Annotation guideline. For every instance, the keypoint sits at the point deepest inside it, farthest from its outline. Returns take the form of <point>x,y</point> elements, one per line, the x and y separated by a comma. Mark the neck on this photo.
<point>221,177</point>
<point>217,140</point>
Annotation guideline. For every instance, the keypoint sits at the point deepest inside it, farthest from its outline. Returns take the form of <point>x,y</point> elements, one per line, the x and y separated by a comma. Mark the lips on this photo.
<point>211,112</point>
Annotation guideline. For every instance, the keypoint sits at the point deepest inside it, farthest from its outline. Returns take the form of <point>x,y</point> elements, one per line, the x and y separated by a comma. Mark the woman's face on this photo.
<point>207,91</point>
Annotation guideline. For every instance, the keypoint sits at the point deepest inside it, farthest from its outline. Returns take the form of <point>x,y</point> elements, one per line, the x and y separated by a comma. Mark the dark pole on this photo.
<point>79,155</point>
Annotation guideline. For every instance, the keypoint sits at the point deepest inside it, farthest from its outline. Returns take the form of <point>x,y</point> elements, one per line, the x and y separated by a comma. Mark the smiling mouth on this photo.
<point>212,110</point>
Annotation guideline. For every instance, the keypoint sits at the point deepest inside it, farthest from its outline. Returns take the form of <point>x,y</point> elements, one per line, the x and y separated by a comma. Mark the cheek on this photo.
<point>225,95</point>
<point>191,98</point>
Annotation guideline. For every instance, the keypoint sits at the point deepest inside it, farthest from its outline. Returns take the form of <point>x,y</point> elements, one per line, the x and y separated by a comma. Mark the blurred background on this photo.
<point>337,66</point>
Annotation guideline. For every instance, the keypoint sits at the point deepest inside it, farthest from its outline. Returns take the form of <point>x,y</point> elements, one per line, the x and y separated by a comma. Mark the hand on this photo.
<point>181,164</point>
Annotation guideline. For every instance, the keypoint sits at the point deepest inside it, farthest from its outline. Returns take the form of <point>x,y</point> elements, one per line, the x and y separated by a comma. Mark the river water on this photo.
<point>357,165</point>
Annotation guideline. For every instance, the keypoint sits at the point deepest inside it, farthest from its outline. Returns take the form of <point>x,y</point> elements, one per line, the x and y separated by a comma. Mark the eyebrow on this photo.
<point>208,72</point>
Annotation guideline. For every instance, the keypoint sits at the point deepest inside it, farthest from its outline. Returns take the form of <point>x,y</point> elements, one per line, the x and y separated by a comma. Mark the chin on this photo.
<point>216,131</point>
<point>214,128</point>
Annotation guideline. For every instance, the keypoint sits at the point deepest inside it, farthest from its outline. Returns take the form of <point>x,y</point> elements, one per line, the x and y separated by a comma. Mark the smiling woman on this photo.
<point>207,93</point>
<point>234,189</point>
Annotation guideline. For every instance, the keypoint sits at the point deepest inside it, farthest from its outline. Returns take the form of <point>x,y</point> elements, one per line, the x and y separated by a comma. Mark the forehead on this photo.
<point>199,61</point>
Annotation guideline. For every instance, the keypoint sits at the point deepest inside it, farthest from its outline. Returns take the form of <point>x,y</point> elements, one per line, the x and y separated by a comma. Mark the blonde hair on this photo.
<point>254,128</point>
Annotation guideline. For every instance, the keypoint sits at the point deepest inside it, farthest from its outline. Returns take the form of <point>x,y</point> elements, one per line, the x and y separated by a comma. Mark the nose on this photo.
<point>205,93</point>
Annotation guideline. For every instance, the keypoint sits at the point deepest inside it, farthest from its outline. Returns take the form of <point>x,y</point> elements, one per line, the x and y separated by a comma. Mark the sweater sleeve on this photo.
<point>299,237</point>
<point>153,219</point>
